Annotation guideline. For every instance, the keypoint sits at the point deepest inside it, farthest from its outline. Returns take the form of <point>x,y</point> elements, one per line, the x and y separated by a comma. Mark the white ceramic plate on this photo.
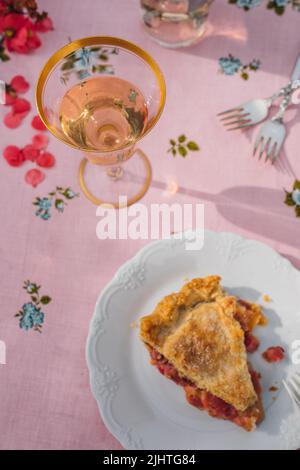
<point>144,410</point>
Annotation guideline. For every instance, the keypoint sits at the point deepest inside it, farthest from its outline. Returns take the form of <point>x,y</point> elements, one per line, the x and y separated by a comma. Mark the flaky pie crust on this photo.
<point>195,330</point>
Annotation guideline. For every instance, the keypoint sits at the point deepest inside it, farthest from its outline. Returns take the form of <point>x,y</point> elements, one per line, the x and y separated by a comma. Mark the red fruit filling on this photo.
<point>248,315</point>
<point>274,354</point>
<point>251,342</point>
<point>203,400</point>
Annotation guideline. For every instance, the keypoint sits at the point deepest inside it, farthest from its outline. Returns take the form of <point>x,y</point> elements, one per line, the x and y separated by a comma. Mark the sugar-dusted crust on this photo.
<point>195,330</point>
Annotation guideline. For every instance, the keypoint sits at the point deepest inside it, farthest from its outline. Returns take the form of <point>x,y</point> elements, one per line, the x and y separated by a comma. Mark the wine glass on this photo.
<point>101,95</point>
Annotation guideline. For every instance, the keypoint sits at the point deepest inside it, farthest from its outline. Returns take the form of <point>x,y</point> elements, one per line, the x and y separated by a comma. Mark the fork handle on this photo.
<point>296,72</point>
<point>283,107</point>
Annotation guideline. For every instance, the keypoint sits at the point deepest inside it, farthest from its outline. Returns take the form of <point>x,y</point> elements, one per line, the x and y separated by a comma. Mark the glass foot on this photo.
<point>106,184</point>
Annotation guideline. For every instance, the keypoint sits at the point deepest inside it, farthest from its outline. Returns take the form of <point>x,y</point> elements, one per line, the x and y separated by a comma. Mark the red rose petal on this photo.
<point>44,25</point>
<point>21,106</point>
<point>46,160</point>
<point>40,141</point>
<point>10,99</point>
<point>34,177</point>
<point>38,124</point>
<point>19,84</point>
<point>30,152</point>
<point>11,151</point>
<point>13,155</point>
<point>12,120</point>
<point>22,115</point>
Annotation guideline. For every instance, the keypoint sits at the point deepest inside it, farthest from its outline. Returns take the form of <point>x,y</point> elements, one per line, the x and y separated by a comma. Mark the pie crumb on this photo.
<point>273,389</point>
<point>266,298</point>
<point>133,324</point>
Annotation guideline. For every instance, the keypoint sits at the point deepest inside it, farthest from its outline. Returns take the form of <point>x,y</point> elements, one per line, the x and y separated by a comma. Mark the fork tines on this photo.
<point>293,387</point>
<point>236,118</point>
<point>267,147</point>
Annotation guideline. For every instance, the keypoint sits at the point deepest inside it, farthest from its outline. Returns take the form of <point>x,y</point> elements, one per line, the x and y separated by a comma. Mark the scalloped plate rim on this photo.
<point>115,280</point>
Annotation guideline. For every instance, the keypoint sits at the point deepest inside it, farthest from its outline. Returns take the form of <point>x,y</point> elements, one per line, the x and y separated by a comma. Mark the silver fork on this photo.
<point>272,134</point>
<point>255,111</point>
<point>248,114</point>
<point>293,388</point>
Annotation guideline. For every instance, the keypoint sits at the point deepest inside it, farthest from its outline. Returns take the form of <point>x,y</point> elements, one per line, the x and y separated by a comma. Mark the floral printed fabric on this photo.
<point>56,199</point>
<point>247,4</point>
<point>182,146</point>
<point>30,315</point>
<point>293,198</point>
<point>87,61</point>
<point>231,65</point>
<point>278,6</point>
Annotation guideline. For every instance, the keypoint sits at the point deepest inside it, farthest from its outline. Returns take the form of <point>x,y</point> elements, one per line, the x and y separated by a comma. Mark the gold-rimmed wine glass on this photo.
<point>101,96</point>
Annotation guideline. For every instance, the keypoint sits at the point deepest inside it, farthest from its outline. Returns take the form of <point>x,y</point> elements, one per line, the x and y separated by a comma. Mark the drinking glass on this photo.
<point>175,23</point>
<point>101,96</point>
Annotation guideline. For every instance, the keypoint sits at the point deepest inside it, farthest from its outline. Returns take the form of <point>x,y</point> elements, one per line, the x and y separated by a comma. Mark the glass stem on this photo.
<point>115,172</point>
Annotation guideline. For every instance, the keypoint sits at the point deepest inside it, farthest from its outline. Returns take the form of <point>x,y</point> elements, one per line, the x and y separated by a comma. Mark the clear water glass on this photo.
<point>175,23</point>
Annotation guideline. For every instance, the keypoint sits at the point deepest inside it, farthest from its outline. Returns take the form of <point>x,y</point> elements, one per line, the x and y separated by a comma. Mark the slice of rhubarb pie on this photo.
<point>199,338</point>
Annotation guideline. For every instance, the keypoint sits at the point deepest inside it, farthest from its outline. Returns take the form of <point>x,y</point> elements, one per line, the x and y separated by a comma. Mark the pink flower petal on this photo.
<point>40,141</point>
<point>10,99</point>
<point>30,152</point>
<point>22,115</point>
<point>38,124</point>
<point>19,84</point>
<point>21,106</point>
<point>34,177</point>
<point>45,160</point>
<point>12,120</point>
<point>13,155</point>
<point>44,25</point>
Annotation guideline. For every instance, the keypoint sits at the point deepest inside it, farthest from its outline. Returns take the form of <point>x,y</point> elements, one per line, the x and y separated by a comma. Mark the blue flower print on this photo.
<point>70,194</point>
<point>60,206</point>
<point>296,197</point>
<point>45,204</point>
<point>82,60</point>
<point>30,287</point>
<point>292,198</point>
<point>45,215</point>
<point>281,3</point>
<point>248,4</point>
<point>29,308</point>
<point>82,74</point>
<point>57,199</point>
<point>30,315</point>
<point>278,6</point>
<point>230,65</point>
<point>83,57</point>
<point>254,64</point>
<point>26,322</point>
<point>86,61</point>
<point>38,317</point>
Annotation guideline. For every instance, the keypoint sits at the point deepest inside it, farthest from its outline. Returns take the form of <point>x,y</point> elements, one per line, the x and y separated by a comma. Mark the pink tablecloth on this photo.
<point>45,398</point>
